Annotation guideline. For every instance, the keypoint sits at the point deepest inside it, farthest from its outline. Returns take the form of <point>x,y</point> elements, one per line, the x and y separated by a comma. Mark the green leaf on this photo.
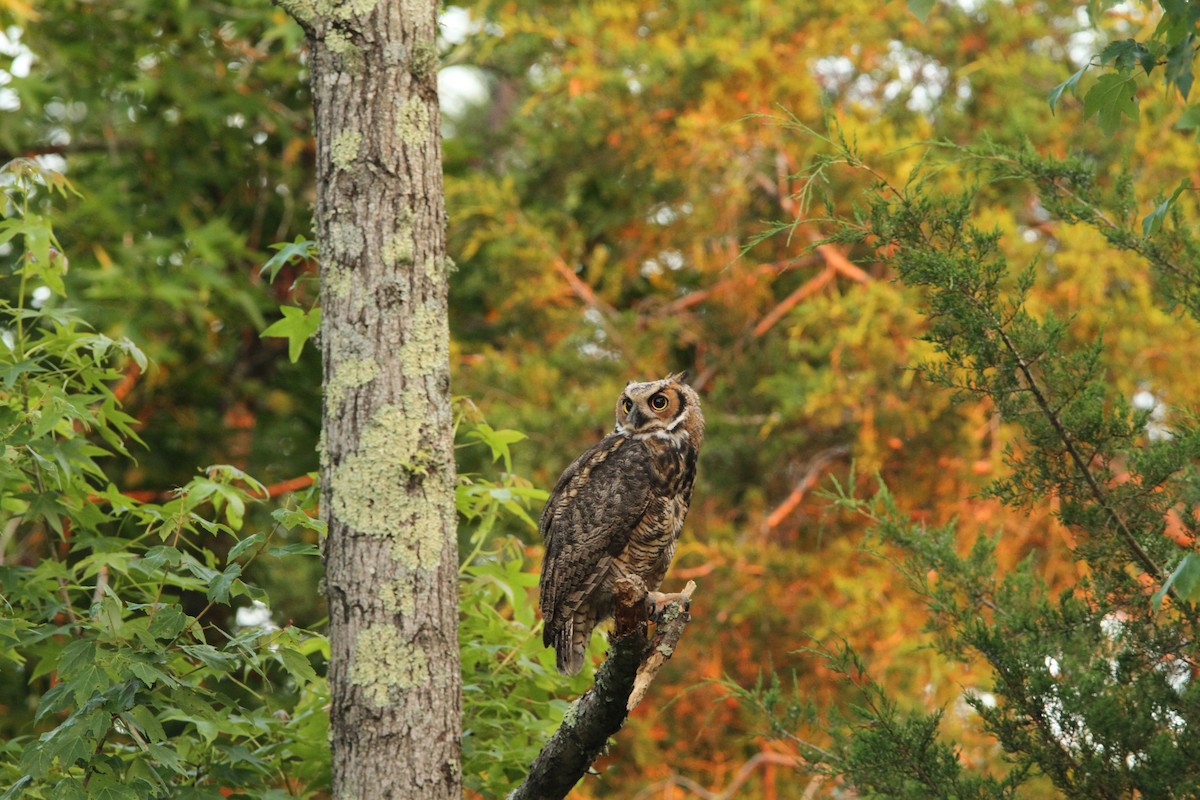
<point>1112,97</point>
<point>297,326</point>
<point>295,549</point>
<point>1179,65</point>
<point>1189,119</point>
<point>245,544</point>
<point>1153,221</point>
<point>300,250</point>
<point>69,789</point>
<point>921,8</point>
<point>168,622</point>
<point>76,657</point>
<point>218,591</point>
<point>167,757</point>
<point>297,665</point>
<point>292,518</point>
<point>1125,54</point>
<point>149,675</point>
<point>10,372</point>
<point>113,791</point>
<point>147,723</point>
<point>211,657</point>
<point>17,788</point>
<point>1185,578</point>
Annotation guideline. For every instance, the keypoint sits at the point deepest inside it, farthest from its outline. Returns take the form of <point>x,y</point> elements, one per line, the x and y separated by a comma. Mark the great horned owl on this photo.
<point>617,511</point>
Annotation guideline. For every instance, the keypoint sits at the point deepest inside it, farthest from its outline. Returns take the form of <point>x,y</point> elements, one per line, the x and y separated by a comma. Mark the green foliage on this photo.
<point>921,8</point>
<point>1092,687</point>
<point>511,689</point>
<point>1071,85</point>
<point>1112,97</point>
<point>186,127</point>
<point>118,612</point>
<point>1172,45</point>
<point>297,326</point>
<point>1154,220</point>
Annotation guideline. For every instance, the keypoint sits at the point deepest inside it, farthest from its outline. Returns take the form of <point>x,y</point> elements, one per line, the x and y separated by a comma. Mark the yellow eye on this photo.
<point>658,402</point>
<point>627,405</point>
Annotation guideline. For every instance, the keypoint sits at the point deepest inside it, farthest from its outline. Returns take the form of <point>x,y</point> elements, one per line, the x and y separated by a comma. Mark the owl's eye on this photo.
<point>627,405</point>
<point>658,402</point>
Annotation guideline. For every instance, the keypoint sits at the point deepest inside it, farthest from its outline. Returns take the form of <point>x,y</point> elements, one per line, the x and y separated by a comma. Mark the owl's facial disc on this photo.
<point>653,407</point>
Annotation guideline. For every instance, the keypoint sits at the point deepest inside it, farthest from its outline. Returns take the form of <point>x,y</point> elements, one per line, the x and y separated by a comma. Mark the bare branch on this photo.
<point>621,682</point>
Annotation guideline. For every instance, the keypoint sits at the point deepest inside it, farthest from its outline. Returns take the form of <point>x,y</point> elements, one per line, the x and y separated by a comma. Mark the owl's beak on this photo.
<point>636,420</point>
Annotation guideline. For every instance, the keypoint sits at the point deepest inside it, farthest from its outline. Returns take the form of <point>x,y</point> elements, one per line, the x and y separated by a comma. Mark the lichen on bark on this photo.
<point>350,57</point>
<point>397,596</point>
<point>348,374</point>
<point>373,487</point>
<point>345,9</point>
<point>412,121</point>
<point>383,661</point>
<point>336,280</point>
<point>344,150</point>
<point>346,240</point>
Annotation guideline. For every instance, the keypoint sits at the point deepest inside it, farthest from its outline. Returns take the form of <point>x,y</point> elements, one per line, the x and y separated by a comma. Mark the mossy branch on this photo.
<point>621,683</point>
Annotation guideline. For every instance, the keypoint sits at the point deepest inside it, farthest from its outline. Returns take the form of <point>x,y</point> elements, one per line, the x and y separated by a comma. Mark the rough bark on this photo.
<point>621,682</point>
<point>387,469</point>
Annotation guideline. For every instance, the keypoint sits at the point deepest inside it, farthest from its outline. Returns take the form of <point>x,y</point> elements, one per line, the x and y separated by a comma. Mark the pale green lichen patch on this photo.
<point>346,239</point>
<point>383,662</point>
<point>350,373</point>
<point>345,148</point>
<point>322,452</point>
<point>302,10</point>
<point>419,539</point>
<point>398,249</point>
<point>345,9</point>
<point>412,121</point>
<point>397,598</point>
<point>424,60</point>
<point>425,346</point>
<point>338,43</point>
<point>393,489</point>
<point>336,280</point>
<point>572,714</point>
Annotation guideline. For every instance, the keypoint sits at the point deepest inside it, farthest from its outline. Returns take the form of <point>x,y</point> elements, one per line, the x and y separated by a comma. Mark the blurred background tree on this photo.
<point>615,174</point>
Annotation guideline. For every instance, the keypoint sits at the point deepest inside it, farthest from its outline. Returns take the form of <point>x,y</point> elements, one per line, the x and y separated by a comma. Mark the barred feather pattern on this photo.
<point>617,511</point>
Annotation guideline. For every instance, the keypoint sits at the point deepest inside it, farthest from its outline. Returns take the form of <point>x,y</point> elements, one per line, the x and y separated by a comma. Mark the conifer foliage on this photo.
<point>1092,686</point>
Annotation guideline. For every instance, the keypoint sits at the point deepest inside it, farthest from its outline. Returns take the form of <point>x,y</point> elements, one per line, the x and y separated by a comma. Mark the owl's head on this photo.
<point>667,408</point>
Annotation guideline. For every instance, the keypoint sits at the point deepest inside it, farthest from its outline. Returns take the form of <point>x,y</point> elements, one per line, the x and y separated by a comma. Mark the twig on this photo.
<point>1068,441</point>
<point>602,710</point>
<point>811,475</point>
<point>666,637</point>
<point>740,777</point>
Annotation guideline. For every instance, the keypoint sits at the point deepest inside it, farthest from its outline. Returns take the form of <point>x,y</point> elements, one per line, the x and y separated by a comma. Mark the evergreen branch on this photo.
<point>1068,441</point>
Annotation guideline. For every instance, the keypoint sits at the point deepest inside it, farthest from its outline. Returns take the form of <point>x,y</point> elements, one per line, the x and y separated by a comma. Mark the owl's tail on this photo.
<point>570,645</point>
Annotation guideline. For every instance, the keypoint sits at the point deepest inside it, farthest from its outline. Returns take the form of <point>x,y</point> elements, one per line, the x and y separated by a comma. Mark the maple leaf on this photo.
<point>1112,97</point>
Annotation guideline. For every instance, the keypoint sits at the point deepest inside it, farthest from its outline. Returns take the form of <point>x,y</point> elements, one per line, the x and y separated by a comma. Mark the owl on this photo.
<point>617,512</point>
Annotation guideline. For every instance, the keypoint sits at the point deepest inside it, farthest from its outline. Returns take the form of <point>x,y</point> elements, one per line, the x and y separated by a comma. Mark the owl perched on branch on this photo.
<point>617,512</point>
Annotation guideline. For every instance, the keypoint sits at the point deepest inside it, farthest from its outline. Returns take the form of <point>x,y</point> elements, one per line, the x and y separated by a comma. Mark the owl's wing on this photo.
<point>588,520</point>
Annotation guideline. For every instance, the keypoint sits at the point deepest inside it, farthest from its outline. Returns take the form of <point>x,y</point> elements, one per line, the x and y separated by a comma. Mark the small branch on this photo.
<point>666,636</point>
<point>1140,555</point>
<point>621,682</point>
<point>816,467</point>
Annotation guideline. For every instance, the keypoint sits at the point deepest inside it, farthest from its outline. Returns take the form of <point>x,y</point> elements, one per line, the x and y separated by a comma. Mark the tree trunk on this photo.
<point>387,469</point>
